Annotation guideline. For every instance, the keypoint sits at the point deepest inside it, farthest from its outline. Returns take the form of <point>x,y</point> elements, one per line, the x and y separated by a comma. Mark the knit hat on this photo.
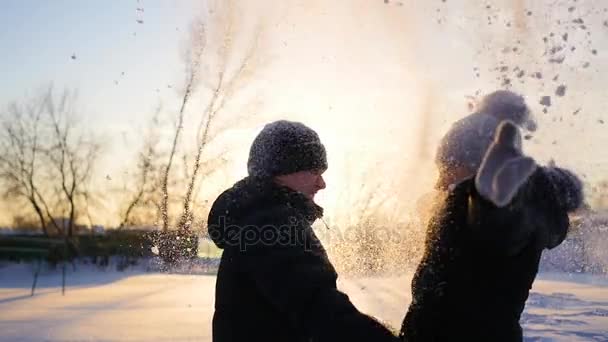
<point>467,141</point>
<point>284,147</point>
<point>507,105</point>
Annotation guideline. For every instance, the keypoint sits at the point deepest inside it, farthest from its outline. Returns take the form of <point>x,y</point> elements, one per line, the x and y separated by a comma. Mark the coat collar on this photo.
<point>284,195</point>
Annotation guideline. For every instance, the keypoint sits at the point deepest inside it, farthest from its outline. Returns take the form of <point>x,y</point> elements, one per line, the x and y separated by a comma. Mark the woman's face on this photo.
<point>452,175</point>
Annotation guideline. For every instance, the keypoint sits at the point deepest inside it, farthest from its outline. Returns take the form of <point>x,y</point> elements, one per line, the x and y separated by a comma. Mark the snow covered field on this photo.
<point>140,306</point>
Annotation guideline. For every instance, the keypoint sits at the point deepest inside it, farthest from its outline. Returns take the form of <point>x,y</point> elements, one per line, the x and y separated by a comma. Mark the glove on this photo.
<point>504,168</point>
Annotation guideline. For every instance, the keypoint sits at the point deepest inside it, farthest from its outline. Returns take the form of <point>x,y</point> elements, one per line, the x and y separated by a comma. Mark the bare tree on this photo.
<point>147,176</point>
<point>145,169</point>
<point>21,157</point>
<point>215,70</point>
<point>221,90</point>
<point>190,83</point>
<point>45,159</point>
<point>70,153</point>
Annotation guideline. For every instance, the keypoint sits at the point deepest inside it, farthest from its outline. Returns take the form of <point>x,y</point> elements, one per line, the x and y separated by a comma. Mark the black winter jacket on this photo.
<point>480,261</point>
<point>275,282</point>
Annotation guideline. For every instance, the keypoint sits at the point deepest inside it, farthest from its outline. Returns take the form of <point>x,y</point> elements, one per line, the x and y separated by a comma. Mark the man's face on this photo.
<point>306,182</point>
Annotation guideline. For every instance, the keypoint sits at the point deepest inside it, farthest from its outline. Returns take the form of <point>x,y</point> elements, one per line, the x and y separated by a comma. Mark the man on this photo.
<point>485,238</point>
<point>275,282</point>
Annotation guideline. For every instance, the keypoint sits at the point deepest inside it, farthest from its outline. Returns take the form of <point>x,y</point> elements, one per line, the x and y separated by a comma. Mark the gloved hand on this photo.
<point>504,168</point>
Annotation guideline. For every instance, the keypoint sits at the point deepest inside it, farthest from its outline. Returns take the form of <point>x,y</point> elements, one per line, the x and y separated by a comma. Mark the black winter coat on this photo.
<point>480,261</point>
<point>275,282</point>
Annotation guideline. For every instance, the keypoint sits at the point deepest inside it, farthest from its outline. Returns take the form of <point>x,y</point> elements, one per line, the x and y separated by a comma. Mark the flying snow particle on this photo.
<point>545,101</point>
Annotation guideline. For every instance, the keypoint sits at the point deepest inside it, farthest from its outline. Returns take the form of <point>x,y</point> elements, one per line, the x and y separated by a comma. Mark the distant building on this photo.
<point>6,231</point>
<point>147,228</point>
<point>98,230</point>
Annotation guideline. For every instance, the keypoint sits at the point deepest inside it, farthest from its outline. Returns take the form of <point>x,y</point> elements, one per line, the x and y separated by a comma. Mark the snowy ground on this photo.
<point>139,306</point>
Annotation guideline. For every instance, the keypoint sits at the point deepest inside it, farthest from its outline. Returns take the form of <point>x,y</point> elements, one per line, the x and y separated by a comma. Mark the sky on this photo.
<point>120,68</point>
<point>362,73</point>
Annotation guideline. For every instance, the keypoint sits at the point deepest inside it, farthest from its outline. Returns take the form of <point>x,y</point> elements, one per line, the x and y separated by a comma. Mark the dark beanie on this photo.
<point>284,147</point>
